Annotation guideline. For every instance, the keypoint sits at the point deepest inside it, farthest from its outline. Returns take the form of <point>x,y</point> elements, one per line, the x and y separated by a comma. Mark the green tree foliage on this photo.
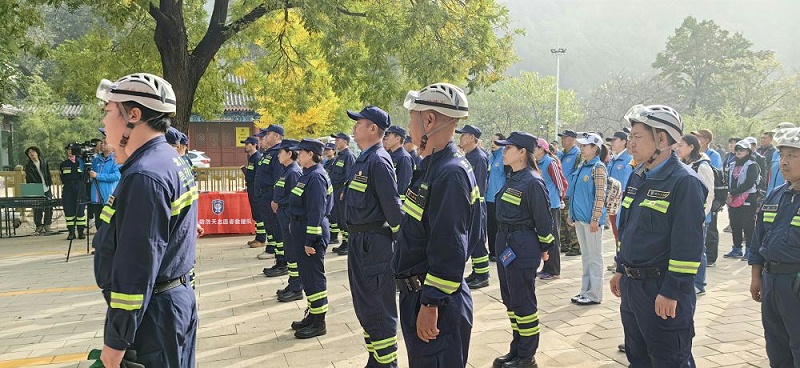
<point>44,125</point>
<point>525,103</point>
<point>701,60</point>
<point>726,123</point>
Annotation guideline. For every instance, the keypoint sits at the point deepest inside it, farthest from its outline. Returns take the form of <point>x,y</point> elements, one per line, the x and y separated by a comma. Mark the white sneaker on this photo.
<point>265,255</point>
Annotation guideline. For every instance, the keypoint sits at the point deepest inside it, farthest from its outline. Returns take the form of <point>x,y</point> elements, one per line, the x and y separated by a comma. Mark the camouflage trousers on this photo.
<point>569,239</point>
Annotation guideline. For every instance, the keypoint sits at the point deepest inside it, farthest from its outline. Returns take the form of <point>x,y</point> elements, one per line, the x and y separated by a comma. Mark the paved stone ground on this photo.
<point>51,314</point>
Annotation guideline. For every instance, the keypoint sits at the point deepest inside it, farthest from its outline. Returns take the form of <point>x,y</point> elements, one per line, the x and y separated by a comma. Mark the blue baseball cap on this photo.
<point>173,135</point>
<point>330,146</point>
<point>469,129</point>
<point>310,145</point>
<point>250,140</point>
<point>408,139</point>
<point>397,130</point>
<point>271,128</point>
<point>341,135</point>
<point>184,139</point>
<point>288,144</point>
<point>568,133</point>
<point>374,114</point>
<point>521,139</point>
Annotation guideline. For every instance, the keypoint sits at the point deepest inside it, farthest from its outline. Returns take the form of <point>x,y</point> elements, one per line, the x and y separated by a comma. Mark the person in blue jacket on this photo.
<point>570,160</point>
<point>309,204</point>
<point>147,249</point>
<point>104,178</point>
<point>497,178</point>
<point>280,203</point>
<point>402,161</point>
<point>469,143</point>
<point>411,148</point>
<point>442,223</point>
<point>340,174</point>
<point>619,167</point>
<point>556,185</point>
<point>267,172</point>
<point>525,234</point>
<point>775,258</point>
<point>661,242</point>
<point>249,170</point>
<point>372,207</point>
<point>775,178</point>
<point>73,192</point>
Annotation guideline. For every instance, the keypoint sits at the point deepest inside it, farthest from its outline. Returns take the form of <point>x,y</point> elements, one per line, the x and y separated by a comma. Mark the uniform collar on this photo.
<point>144,148</point>
<point>572,150</point>
<point>342,152</point>
<point>620,154</point>
<point>312,168</point>
<point>593,161</point>
<point>664,169</point>
<point>364,154</point>
<point>449,150</point>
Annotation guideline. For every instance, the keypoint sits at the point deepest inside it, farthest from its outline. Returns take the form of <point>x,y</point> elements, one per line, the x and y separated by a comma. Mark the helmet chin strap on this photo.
<point>656,153</point>
<point>424,140</point>
<point>130,125</point>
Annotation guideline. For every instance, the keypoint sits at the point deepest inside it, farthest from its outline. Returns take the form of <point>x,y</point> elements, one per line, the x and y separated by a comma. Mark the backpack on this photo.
<point>720,185</point>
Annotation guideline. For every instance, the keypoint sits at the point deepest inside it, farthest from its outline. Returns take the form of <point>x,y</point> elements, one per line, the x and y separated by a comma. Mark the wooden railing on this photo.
<point>215,179</point>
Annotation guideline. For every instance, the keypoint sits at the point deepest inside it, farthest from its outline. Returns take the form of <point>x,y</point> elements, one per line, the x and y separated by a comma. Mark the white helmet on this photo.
<point>789,137</point>
<point>657,117</point>
<point>443,98</point>
<point>149,90</point>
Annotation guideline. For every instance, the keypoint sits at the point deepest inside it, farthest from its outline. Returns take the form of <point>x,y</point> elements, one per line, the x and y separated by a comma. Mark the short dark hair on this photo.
<point>317,158</point>
<point>159,121</point>
<point>500,135</point>
<point>34,149</point>
<point>294,153</point>
<point>733,140</point>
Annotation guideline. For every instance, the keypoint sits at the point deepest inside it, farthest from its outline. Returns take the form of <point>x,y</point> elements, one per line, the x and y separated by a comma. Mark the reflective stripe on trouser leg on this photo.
<point>374,292</point>
<point>481,266</point>
<point>290,250</point>
<point>519,296</point>
<point>312,269</point>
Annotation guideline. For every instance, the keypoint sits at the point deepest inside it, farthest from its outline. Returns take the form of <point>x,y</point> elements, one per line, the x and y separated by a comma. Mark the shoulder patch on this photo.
<point>772,208</point>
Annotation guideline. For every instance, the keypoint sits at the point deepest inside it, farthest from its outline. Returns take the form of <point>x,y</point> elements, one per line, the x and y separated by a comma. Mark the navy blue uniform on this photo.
<point>332,218</point>
<point>74,183</point>
<point>661,241</point>
<point>281,195</point>
<point>443,216</point>
<point>776,240</point>
<point>416,158</point>
<point>268,171</point>
<point>249,181</point>
<point>403,168</point>
<point>526,226</point>
<point>309,204</point>
<point>480,254</point>
<point>144,255</point>
<point>373,213</point>
<point>340,174</point>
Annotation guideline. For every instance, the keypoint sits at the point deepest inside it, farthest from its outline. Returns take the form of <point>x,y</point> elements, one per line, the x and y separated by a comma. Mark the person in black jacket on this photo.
<point>37,171</point>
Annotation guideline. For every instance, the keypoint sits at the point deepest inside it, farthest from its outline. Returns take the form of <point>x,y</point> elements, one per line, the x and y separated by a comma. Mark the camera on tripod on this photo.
<point>85,151</point>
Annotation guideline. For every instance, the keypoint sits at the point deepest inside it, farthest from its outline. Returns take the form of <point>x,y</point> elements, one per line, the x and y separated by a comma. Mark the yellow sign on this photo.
<point>241,134</point>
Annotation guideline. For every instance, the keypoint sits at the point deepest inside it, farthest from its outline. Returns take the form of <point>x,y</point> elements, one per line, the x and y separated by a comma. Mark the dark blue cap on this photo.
<point>288,144</point>
<point>341,136</point>
<point>102,131</point>
<point>184,139</point>
<point>620,135</point>
<point>374,114</point>
<point>310,145</point>
<point>469,129</point>
<point>397,130</point>
<point>521,139</point>
<point>408,139</point>
<point>330,146</point>
<point>173,135</point>
<point>568,133</point>
<point>250,140</point>
<point>271,128</point>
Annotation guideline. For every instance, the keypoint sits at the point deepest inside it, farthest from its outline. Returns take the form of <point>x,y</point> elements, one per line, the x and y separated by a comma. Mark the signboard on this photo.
<point>241,134</point>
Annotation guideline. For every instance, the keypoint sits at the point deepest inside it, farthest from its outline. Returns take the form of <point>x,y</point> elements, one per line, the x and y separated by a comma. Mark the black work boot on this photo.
<point>279,269</point>
<point>314,329</point>
<point>298,325</point>
<point>499,361</point>
<point>521,362</point>
<point>290,296</point>
<point>282,291</point>
<point>342,250</point>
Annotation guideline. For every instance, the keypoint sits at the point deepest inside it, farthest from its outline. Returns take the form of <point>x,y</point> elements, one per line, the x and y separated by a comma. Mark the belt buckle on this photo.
<point>627,271</point>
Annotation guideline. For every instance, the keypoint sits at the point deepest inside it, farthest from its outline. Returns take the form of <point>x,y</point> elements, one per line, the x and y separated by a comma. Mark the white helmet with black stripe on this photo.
<point>444,98</point>
<point>657,117</point>
<point>149,90</point>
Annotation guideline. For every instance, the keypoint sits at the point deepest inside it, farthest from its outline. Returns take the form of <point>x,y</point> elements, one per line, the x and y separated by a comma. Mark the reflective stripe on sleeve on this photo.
<point>185,200</point>
<point>658,205</point>
<point>683,267</point>
<point>128,302</point>
<point>446,286</point>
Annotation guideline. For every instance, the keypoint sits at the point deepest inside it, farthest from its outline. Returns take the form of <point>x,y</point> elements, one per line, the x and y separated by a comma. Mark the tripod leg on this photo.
<point>69,249</point>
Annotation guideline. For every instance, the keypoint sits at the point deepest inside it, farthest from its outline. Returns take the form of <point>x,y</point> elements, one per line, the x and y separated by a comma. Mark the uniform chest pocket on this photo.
<point>356,194</point>
<point>653,215</point>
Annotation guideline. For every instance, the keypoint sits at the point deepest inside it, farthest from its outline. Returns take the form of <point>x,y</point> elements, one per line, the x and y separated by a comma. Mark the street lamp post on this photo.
<point>558,52</point>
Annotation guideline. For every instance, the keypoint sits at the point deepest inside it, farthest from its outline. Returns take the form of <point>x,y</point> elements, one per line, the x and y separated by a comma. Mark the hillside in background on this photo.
<point>606,37</point>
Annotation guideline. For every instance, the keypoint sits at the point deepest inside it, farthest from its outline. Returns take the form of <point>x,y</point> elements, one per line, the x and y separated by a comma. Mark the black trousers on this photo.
<point>43,215</point>
<point>553,265</point>
<point>712,239</point>
<point>743,220</point>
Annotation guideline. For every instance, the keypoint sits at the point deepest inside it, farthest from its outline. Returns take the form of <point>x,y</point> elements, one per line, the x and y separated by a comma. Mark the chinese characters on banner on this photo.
<point>225,213</point>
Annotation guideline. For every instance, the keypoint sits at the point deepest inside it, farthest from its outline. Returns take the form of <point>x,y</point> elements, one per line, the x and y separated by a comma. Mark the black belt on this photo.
<point>169,285</point>
<point>264,189</point>
<point>643,272</point>
<point>410,284</point>
<point>781,268</point>
<point>510,228</point>
<point>379,227</point>
<point>297,218</point>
